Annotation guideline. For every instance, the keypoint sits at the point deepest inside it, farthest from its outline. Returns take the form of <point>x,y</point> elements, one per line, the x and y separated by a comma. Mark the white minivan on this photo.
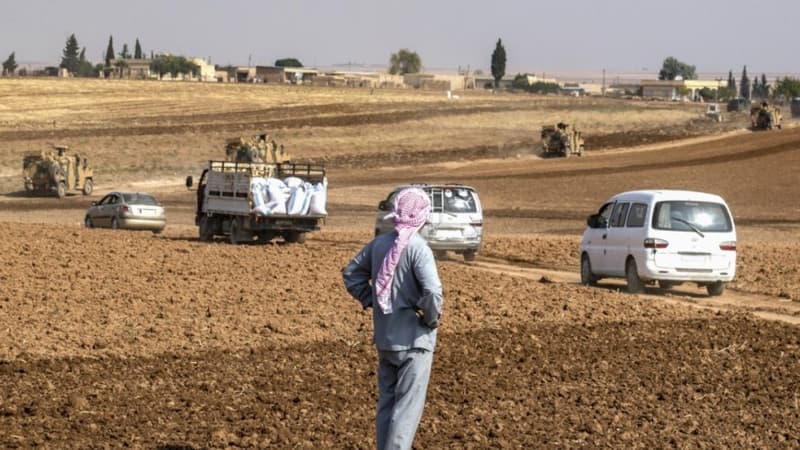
<point>455,222</point>
<point>661,236</point>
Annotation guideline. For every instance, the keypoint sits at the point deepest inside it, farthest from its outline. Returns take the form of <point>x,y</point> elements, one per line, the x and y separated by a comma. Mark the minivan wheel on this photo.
<point>587,277</point>
<point>715,289</point>
<point>635,284</point>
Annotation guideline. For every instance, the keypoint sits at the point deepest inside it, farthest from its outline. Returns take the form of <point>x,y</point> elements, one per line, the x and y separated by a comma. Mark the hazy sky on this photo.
<point>539,36</point>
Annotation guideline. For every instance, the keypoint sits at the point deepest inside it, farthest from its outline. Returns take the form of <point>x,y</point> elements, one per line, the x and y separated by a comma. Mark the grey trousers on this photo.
<point>402,385</point>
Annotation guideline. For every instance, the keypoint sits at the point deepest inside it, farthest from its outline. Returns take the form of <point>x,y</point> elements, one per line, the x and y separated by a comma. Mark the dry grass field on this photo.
<point>114,338</point>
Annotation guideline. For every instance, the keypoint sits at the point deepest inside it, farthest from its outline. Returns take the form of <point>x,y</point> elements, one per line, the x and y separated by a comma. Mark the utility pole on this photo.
<point>603,88</point>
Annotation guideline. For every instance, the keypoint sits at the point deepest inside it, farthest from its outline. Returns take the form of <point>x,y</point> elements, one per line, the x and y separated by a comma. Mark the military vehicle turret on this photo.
<point>57,171</point>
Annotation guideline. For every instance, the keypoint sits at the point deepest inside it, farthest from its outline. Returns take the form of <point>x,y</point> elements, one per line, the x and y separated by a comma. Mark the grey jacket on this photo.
<point>416,290</point>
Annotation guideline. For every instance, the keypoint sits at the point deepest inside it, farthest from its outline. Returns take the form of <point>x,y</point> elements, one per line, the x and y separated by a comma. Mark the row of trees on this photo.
<point>406,61</point>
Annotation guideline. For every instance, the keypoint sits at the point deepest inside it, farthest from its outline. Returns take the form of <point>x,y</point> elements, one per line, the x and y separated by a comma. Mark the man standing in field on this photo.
<point>396,275</point>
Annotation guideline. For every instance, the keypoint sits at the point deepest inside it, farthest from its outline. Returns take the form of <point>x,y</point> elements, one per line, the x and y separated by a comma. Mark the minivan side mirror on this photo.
<point>596,221</point>
<point>189,182</point>
<point>382,205</point>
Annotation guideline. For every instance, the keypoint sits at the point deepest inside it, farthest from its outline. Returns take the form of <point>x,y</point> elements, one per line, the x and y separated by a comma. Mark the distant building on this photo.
<point>678,89</point>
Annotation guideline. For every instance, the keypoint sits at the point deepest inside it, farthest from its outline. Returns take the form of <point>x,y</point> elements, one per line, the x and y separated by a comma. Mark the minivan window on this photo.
<point>637,215</point>
<point>679,215</point>
<point>619,213</point>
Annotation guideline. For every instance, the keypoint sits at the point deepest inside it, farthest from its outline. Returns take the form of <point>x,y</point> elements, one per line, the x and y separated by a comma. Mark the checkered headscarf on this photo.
<point>410,211</point>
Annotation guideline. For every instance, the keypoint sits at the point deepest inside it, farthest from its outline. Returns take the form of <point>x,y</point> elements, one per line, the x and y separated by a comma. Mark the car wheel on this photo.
<point>635,284</point>
<point>587,277</point>
<point>114,223</point>
<point>88,222</point>
<point>469,255</point>
<point>61,190</point>
<point>88,187</point>
<point>715,289</point>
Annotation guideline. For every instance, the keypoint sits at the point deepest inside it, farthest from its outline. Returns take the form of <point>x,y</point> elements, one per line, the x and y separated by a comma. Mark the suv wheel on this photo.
<point>715,289</point>
<point>635,284</point>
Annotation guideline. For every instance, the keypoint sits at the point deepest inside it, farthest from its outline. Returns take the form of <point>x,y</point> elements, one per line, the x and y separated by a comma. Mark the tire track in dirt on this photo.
<point>763,306</point>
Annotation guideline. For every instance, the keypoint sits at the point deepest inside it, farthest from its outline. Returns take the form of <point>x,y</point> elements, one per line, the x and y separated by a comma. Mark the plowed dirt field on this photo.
<point>129,339</point>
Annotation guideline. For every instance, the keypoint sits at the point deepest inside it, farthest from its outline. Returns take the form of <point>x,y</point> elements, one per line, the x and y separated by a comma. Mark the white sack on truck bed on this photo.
<point>292,196</point>
<point>318,198</point>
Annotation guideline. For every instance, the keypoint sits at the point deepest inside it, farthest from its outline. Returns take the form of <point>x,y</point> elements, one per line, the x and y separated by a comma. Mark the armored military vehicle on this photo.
<point>765,117</point>
<point>57,171</point>
<point>255,149</point>
<point>561,140</point>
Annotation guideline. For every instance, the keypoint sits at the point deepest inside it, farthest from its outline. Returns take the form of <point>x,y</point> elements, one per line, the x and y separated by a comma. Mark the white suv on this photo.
<point>455,222</point>
<point>663,236</point>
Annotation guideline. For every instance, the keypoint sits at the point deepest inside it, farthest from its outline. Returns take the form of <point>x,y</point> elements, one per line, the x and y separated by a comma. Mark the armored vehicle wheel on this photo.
<point>88,187</point>
<point>88,222</point>
<point>635,284</point>
<point>62,190</point>
<point>114,223</point>
<point>469,255</point>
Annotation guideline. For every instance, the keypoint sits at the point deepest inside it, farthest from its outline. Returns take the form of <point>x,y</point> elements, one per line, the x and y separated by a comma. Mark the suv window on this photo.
<point>619,214</point>
<point>452,200</point>
<point>685,215</point>
<point>637,215</point>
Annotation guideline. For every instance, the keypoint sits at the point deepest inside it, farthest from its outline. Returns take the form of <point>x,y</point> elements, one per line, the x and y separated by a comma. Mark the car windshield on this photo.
<point>691,216</point>
<point>140,199</point>
<point>453,200</point>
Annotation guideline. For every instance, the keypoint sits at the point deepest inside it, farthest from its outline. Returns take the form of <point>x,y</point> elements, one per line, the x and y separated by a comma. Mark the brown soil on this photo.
<point>111,339</point>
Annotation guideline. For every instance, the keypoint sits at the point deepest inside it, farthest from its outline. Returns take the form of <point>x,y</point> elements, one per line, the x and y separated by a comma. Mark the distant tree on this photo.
<point>672,67</point>
<point>731,81</point>
<point>520,82</point>
<point>765,87</point>
<point>137,50</point>
<point>10,64</point>
<point>173,65</point>
<point>125,54</point>
<point>498,62</point>
<point>756,89</point>
<point>744,84</point>
<point>109,51</point>
<point>288,62</point>
<point>787,87</point>
<point>85,68</point>
<point>404,61</point>
<point>69,58</point>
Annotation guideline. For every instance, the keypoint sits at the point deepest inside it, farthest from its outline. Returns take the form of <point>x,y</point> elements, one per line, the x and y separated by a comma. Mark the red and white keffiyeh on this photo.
<point>410,210</point>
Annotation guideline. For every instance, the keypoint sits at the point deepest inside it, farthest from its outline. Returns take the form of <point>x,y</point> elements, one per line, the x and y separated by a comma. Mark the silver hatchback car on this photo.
<point>128,210</point>
<point>454,224</point>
